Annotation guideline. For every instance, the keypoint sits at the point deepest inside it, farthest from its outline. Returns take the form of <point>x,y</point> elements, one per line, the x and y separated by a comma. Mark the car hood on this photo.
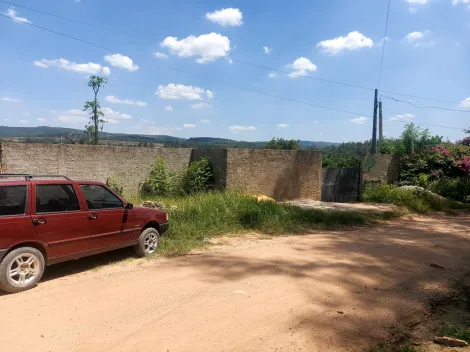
<point>138,209</point>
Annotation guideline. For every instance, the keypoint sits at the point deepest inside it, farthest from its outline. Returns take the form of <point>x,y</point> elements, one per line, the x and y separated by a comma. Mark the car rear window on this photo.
<point>13,200</point>
<point>56,198</point>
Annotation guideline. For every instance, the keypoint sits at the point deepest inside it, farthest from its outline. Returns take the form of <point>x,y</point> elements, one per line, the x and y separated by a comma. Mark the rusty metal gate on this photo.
<point>341,185</point>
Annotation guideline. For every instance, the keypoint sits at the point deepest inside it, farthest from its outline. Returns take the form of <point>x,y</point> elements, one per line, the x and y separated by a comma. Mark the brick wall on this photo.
<point>130,164</point>
<point>379,169</point>
<point>279,174</point>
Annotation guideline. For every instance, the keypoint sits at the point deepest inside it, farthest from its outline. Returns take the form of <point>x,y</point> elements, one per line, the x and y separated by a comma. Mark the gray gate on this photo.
<point>340,185</point>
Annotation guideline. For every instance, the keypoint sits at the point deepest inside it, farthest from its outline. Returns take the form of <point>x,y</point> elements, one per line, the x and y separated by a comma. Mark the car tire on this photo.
<point>21,269</point>
<point>149,240</point>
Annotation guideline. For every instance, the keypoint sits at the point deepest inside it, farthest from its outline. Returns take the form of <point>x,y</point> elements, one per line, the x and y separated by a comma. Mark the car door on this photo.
<point>59,219</point>
<point>15,218</point>
<point>111,225</point>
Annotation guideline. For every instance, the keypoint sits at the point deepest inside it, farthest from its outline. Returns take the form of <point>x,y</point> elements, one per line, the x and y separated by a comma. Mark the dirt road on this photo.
<point>337,291</point>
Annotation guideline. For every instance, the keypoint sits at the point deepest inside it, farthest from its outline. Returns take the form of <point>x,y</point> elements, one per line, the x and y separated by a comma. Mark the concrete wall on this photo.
<point>379,169</point>
<point>86,162</point>
<point>281,175</point>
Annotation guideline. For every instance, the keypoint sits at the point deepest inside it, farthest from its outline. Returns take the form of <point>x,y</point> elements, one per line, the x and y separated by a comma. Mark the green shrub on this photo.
<point>115,184</point>
<point>453,188</point>
<point>455,331</point>
<point>158,181</point>
<point>198,177</point>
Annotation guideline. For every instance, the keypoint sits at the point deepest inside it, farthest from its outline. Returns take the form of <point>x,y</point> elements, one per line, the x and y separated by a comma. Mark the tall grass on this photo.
<point>202,216</point>
<point>416,200</point>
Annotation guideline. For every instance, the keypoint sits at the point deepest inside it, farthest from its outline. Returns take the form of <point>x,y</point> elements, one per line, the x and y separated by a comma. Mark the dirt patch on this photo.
<point>337,291</point>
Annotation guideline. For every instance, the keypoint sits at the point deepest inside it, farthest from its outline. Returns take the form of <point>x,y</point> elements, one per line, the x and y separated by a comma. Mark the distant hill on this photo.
<point>46,134</point>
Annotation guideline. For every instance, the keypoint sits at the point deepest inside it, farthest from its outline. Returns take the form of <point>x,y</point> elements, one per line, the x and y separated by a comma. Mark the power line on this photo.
<point>306,76</point>
<point>424,107</point>
<point>421,124</point>
<point>61,17</point>
<point>284,98</point>
<point>58,33</point>
<point>175,69</point>
<point>234,60</point>
<point>383,46</point>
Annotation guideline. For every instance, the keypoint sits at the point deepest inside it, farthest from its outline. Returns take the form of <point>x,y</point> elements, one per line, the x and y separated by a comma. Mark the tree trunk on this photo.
<point>95,120</point>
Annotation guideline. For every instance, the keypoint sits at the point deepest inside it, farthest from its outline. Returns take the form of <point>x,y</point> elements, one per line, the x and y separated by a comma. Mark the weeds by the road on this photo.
<point>456,331</point>
<point>199,217</point>
<point>415,200</point>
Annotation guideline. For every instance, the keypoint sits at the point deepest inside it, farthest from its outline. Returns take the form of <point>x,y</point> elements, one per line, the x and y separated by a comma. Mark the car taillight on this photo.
<point>166,217</point>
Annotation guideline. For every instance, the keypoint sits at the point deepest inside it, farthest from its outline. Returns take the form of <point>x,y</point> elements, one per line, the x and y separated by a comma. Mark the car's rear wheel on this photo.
<point>149,241</point>
<point>21,269</point>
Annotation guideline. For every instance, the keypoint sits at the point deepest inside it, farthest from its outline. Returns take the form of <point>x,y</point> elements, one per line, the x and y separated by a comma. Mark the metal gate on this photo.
<point>340,185</point>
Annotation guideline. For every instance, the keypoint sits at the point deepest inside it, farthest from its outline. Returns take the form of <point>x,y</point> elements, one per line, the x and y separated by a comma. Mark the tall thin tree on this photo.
<point>96,121</point>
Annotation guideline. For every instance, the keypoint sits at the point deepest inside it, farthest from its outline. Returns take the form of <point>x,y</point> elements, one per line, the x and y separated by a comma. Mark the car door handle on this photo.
<point>39,221</point>
<point>92,216</point>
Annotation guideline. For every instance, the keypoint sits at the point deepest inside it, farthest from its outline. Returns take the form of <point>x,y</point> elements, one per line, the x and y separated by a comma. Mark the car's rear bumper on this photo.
<point>163,228</point>
<point>3,252</point>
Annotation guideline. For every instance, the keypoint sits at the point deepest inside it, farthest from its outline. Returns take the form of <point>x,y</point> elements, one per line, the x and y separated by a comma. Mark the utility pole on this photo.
<point>374,130</point>
<point>381,131</point>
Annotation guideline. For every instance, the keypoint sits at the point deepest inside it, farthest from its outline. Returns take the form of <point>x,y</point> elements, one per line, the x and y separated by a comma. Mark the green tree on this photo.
<point>283,144</point>
<point>96,121</point>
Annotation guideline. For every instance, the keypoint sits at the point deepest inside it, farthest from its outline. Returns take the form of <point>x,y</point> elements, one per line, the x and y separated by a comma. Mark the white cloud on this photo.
<point>272,75</point>
<point>90,68</point>
<point>10,100</point>
<point>236,129</point>
<point>149,127</point>
<point>73,116</point>
<point>205,121</point>
<point>417,2</point>
<point>226,17</point>
<point>209,47</point>
<point>12,13</point>
<point>169,108</point>
<point>283,125</point>
<point>24,121</point>
<point>456,2</point>
<point>300,67</point>
<point>359,121</point>
<point>209,94</point>
<point>41,119</point>
<point>417,37</point>
<point>109,114</point>
<point>115,100</point>
<point>180,91</point>
<point>200,106</point>
<point>401,117</point>
<point>465,103</point>
<point>412,9</point>
<point>189,125</point>
<point>230,61</point>
<point>121,61</point>
<point>267,50</point>
<point>160,55</point>
<point>353,41</point>
<point>27,114</point>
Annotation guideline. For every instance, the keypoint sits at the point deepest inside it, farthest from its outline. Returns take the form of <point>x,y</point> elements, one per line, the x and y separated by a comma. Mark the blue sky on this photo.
<point>191,87</point>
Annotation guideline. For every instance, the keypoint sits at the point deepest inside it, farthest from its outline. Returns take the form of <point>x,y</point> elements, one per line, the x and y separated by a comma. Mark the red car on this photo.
<point>46,219</point>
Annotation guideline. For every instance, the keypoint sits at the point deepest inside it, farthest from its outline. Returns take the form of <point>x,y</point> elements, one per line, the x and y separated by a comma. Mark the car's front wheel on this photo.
<point>149,241</point>
<point>21,269</point>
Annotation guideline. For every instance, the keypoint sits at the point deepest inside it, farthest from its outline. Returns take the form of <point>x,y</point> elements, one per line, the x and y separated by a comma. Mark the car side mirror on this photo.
<point>129,206</point>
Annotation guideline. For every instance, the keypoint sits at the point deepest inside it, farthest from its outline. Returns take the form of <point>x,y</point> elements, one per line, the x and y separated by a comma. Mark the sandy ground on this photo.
<point>337,291</point>
<point>361,207</point>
